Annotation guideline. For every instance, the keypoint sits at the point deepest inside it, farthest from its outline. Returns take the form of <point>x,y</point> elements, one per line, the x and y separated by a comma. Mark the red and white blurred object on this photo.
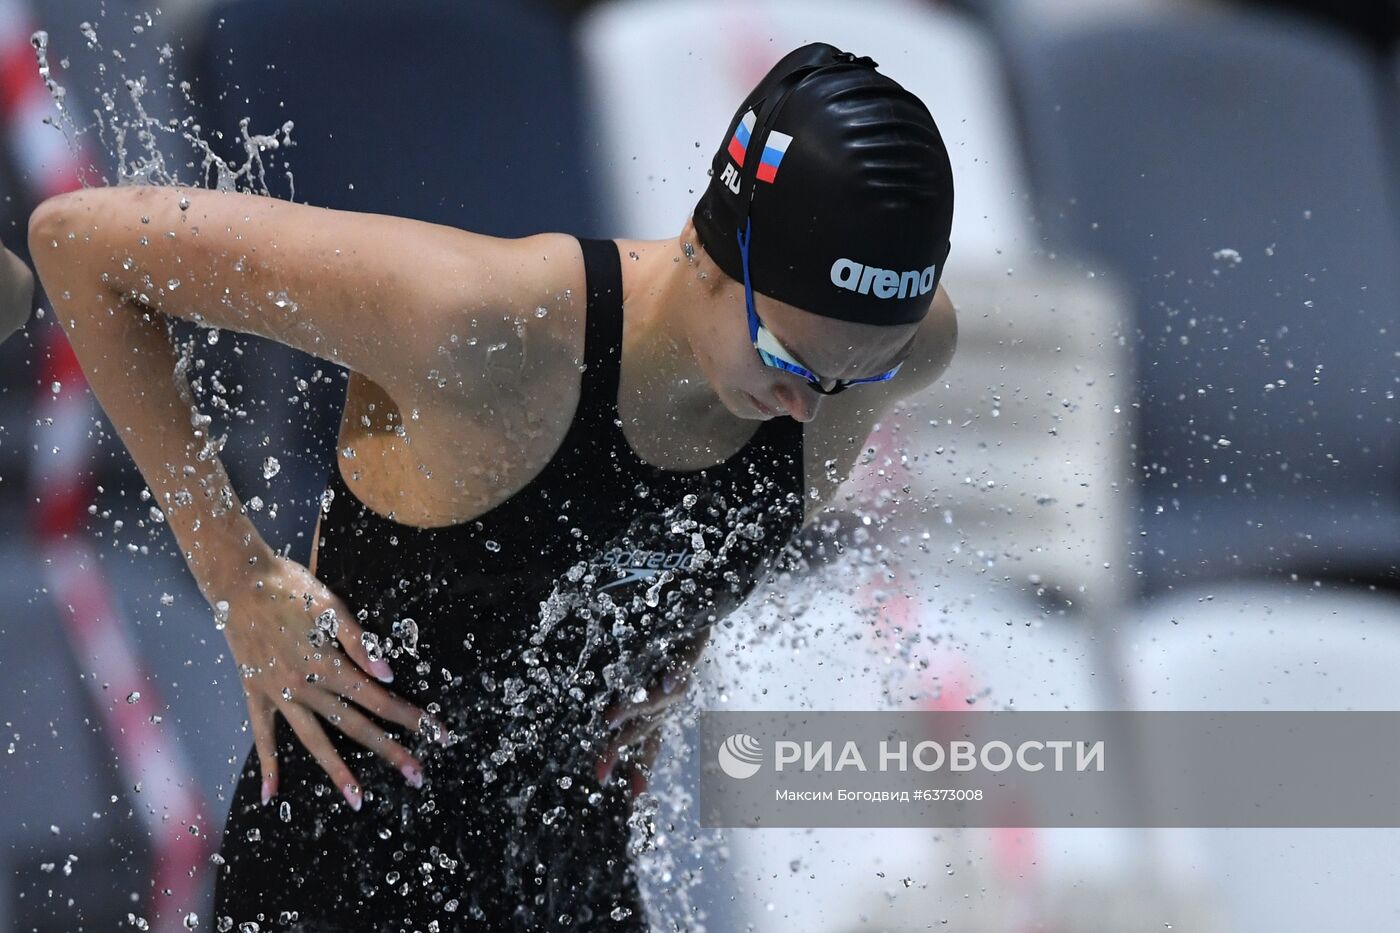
<point>42,157</point>
<point>172,805</point>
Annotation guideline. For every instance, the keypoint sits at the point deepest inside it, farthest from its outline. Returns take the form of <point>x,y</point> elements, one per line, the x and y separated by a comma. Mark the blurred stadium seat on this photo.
<point>1230,169</point>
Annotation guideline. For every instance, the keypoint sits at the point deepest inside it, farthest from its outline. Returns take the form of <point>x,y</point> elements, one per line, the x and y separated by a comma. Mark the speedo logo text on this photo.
<point>882,283</point>
<point>641,565</point>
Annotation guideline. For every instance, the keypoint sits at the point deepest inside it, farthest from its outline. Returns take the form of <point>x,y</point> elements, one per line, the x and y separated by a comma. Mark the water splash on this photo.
<point>125,127</point>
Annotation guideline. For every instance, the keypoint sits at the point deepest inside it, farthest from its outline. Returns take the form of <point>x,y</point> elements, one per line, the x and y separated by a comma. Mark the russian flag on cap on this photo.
<point>739,142</point>
<point>773,149</point>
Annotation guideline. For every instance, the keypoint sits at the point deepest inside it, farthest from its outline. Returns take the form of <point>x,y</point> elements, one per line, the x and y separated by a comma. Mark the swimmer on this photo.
<point>561,461</point>
<point>16,293</point>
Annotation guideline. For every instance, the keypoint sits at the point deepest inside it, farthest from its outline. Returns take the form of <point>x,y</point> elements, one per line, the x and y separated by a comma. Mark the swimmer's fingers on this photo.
<point>304,724</point>
<point>263,721</point>
<point>358,726</point>
<point>386,705</point>
<point>352,641</point>
<point>665,689</point>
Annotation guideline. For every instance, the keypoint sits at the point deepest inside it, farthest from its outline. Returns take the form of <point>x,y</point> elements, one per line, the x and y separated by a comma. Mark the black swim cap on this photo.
<point>845,184</point>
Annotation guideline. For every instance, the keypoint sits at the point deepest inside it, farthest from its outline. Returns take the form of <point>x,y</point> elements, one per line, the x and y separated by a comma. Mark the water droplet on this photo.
<point>406,631</point>
<point>328,622</point>
<point>372,647</point>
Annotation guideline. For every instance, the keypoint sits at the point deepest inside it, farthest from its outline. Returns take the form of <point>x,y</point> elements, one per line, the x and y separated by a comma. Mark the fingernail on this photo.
<point>615,720</point>
<point>380,669</point>
<point>413,774</point>
<point>266,791</point>
<point>668,682</point>
<point>603,769</point>
<point>352,794</point>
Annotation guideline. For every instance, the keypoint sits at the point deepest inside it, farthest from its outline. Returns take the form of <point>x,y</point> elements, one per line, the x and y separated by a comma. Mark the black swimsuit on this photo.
<point>516,629</point>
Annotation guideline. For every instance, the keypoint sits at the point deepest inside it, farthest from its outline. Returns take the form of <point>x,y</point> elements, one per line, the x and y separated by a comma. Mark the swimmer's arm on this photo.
<point>838,434</point>
<point>381,295</point>
<point>130,365</point>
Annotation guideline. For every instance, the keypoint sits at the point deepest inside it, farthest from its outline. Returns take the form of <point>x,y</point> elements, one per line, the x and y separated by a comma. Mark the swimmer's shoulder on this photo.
<point>520,326</point>
<point>512,351</point>
<point>551,297</point>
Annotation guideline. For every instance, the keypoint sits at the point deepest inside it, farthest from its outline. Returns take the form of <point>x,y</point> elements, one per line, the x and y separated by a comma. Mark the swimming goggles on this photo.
<point>772,352</point>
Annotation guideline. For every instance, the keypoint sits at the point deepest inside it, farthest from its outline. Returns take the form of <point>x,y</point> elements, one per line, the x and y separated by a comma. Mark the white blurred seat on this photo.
<point>1017,459</point>
<point>1277,646</point>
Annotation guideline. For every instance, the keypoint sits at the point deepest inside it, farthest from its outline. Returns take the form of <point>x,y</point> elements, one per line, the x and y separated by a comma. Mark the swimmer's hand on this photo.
<point>16,293</point>
<point>638,724</point>
<point>302,654</point>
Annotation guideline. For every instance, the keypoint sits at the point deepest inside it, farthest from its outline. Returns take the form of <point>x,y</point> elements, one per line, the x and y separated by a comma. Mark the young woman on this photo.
<point>541,502</point>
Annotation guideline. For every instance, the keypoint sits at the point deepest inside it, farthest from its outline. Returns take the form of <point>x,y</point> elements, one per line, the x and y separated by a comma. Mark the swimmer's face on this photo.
<point>832,349</point>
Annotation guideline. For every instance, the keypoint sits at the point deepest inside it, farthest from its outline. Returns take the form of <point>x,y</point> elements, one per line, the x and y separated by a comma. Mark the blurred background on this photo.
<point>1162,472</point>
